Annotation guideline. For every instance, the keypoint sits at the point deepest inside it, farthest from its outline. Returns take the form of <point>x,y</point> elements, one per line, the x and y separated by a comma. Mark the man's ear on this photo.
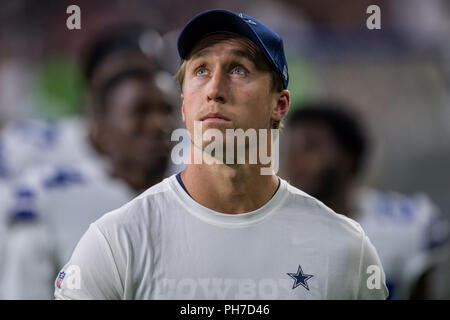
<point>182,108</point>
<point>282,106</point>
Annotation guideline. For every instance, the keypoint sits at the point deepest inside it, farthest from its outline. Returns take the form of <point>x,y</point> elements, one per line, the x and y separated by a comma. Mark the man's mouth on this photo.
<point>214,117</point>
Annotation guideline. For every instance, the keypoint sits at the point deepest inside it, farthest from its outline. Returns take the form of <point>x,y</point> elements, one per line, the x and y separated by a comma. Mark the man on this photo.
<point>326,152</point>
<point>225,231</point>
<point>125,147</point>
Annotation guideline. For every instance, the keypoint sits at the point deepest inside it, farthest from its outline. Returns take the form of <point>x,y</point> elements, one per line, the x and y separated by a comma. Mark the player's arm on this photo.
<point>28,262</point>
<point>27,250</point>
<point>92,272</point>
<point>434,245</point>
<point>372,284</point>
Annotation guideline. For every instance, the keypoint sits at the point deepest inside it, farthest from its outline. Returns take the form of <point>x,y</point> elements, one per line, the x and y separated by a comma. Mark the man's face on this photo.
<point>316,163</point>
<point>137,125</point>
<point>224,89</point>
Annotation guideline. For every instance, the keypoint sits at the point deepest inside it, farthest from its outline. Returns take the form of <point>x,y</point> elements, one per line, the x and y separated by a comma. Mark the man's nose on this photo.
<point>217,87</point>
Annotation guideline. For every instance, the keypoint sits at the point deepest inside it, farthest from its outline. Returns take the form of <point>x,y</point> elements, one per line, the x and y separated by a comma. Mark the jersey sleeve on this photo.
<point>372,285</point>
<point>432,243</point>
<point>91,273</point>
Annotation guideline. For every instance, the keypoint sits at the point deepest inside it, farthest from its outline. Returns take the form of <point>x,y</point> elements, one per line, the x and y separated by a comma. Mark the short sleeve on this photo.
<point>91,273</point>
<point>372,285</point>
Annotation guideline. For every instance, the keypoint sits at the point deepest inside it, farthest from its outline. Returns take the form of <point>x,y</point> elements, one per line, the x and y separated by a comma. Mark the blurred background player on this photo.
<point>125,149</point>
<point>326,152</point>
<point>397,77</point>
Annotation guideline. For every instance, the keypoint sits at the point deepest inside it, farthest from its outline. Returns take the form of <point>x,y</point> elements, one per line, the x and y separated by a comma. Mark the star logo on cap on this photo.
<point>300,278</point>
<point>285,72</point>
<point>246,19</point>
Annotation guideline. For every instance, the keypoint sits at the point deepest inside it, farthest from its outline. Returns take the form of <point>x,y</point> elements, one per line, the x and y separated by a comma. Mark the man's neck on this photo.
<point>229,189</point>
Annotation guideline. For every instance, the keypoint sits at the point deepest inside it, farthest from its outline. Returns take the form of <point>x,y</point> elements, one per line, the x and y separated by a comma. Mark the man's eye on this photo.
<point>239,70</point>
<point>200,72</point>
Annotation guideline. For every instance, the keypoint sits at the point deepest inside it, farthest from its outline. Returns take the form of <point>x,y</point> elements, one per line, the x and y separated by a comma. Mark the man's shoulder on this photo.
<point>155,190</point>
<point>317,213</point>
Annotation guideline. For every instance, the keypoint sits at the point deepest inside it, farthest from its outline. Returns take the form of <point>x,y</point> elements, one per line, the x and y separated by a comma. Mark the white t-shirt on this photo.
<point>48,210</point>
<point>165,245</point>
<point>409,233</point>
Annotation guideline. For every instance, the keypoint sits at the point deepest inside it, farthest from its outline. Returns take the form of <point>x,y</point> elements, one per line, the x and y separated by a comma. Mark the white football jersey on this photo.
<point>26,143</point>
<point>32,143</point>
<point>408,232</point>
<point>165,245</point>
<point>48,211</point>
<point>3,164</point>
<point>3,227</point>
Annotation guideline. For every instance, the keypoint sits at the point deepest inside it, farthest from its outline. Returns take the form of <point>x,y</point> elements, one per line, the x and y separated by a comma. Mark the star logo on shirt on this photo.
<point>300,278</point>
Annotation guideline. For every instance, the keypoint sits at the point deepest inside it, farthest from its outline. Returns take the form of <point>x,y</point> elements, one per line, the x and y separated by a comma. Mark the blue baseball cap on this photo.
<point>267,40</point>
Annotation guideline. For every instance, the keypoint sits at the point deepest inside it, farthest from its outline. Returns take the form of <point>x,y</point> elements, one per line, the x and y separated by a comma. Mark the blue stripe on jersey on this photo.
<point>181,183</point>
<point>63,176</point>
<point>399,209</point>
<point>38,133</point>
<point>24,207</point>
<point>22,215</point>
